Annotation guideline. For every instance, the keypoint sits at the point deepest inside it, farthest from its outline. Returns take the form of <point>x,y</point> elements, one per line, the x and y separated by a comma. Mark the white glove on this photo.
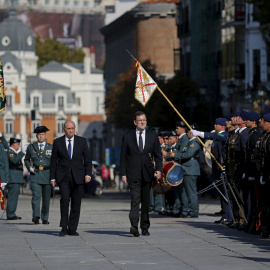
<point>1,134</point>
<point>261,180</point>
<point>251,178</point>
<point>3,184</point>
<point>197,133</point>
<point>25,148</point>
<point>243,176</point>
<point>32,169</point>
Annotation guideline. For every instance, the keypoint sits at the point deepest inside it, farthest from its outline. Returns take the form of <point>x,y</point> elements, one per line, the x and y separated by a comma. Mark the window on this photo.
<point>76,3</point>
<point>78,101</point>
<point>9,127</point>
<point>60,103</point>
<point>9,102</point>
<point>35,123</point>
<point>97,104</point>
<point>60,125</point>
<point>47,2</point>
<point>36,102</point>
<point>56,2</point>
<point>85,3</point>
<point>66,3</point>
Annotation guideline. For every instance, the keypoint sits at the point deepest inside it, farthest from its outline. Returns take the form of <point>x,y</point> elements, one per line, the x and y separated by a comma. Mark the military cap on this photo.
<point>165,133</point>
<point>155,129</point>
<point>40,129</point>
<point>266,117</point>
<point>221,121</point>
<point>172,133</point>
<point>229,117</point>
<point>180,124</point>
<point>235,114</point>
<point>253,116</point>
<point>243,115</point>
<point>14,140</point>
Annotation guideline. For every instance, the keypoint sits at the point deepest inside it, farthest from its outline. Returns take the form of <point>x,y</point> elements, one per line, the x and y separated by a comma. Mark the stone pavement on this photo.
<point>105,243</point>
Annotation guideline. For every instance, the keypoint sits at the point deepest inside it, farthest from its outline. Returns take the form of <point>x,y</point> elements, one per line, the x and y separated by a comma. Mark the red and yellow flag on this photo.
<point>145,85</point>
<point>2,89</point>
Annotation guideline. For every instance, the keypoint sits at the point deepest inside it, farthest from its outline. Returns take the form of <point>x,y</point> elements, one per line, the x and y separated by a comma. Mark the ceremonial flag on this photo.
<point>145,85</point>
<point>2,198</point>
<point>2,89</point>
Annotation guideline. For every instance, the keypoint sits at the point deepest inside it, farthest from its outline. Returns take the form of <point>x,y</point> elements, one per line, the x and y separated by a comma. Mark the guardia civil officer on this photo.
<point>15,177</point>
<point>252,169</point>
<point>180,197</point>
<point>37,160</point>
<point>191,167</point>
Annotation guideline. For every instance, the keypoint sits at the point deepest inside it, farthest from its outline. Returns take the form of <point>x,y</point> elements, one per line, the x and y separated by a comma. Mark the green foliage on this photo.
<point>120,104</point>
<point>51,49</point>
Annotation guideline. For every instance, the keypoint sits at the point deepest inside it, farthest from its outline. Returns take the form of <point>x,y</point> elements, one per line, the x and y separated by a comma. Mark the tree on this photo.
<point>262,14</point>
<point>120,104</point>
<point>51,49</point>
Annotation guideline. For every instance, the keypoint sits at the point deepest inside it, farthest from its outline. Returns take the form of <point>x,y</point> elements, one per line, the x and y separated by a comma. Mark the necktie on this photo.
<point>140,142</point>
<point>69,148</point>
<point>41,147</point>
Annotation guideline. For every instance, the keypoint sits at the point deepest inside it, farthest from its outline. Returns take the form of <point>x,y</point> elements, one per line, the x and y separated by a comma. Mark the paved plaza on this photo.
<point>105,243</point>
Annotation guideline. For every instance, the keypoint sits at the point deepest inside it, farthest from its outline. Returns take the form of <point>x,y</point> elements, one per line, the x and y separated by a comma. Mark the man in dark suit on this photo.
<point>71,167</point>
<point>139,149</point>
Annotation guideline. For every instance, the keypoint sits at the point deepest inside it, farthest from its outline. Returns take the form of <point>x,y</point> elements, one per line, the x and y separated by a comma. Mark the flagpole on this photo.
<point>219,165</point>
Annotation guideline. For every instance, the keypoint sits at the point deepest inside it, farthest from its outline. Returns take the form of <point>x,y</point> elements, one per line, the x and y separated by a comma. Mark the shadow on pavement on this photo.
<point>55,233</point>
<point>118,233</point>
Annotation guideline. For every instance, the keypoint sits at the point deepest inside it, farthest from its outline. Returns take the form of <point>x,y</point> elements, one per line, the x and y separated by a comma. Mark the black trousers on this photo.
<point>70,192</point>
<point>140,194</point>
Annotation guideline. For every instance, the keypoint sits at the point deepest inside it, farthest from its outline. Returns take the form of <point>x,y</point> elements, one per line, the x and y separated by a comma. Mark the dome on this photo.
<point>15,35</point>
<point>10,58</point>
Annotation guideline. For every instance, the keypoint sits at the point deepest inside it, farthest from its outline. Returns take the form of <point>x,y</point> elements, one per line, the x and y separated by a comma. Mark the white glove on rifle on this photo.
<point>32,169</point>
<point>197,133</point>
<point>3,184</point>
<point>1,134</point>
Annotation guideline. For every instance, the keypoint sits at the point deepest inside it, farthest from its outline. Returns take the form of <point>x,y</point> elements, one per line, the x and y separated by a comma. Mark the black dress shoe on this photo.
<point>193,216</point>
<point>241,227</point>
<point>176,215</point>
<point>35,220</point>
<point>183,216</point>
<point>220,213</point>
<point>63,232</point>
<point>218,221</point>
<point>73,233</point>
<point>234,225</point>
<point>14,218</point>
<point>45,222</point>
<point>134,231</point>
<point>145,232</point>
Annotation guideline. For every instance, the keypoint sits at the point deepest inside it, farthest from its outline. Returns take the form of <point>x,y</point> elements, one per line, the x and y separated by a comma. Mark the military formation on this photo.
<point>240,171</point>
<point>37,158</point>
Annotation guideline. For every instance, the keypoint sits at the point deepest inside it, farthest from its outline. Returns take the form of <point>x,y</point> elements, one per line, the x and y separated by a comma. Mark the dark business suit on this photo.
<point>70,177</point>
<point>138,168</point>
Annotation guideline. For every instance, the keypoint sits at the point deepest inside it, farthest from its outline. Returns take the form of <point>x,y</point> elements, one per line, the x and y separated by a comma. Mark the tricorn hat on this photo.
<point>40,129</point>
<point>14,140</point>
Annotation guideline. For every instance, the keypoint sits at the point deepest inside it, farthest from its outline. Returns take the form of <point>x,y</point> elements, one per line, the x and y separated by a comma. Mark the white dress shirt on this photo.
<point>72,143</point>
<point>44,144</point>
<point>143,136</point>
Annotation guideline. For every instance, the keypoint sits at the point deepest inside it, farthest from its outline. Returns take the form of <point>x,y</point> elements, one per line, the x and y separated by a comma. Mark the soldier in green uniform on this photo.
<point>180,197</point>
<point>15,177</point>
<point>37,161</point>
<point>191,166</point>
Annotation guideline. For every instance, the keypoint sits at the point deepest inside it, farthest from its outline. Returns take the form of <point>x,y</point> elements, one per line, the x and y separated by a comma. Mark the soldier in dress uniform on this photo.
<point>15,177</point>
<point>252,168</point>
<point>240,185</point>
<point>180,197</point>
<point>37,161</point>
<point>188,161</point>
<point>264,198</point>
<point>219,138</point>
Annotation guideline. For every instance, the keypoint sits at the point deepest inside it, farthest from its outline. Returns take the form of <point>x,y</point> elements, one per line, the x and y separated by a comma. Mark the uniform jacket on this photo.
<point>180,146</point>
<point>252,159</point>
<point>265,157</point>
<point>188,157</point>
<point>35,158</point>
<point>80,163</point>
<point>133,163</point>
<point>4,165</point>
<point>240,153</point>
<point>15,167</point>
